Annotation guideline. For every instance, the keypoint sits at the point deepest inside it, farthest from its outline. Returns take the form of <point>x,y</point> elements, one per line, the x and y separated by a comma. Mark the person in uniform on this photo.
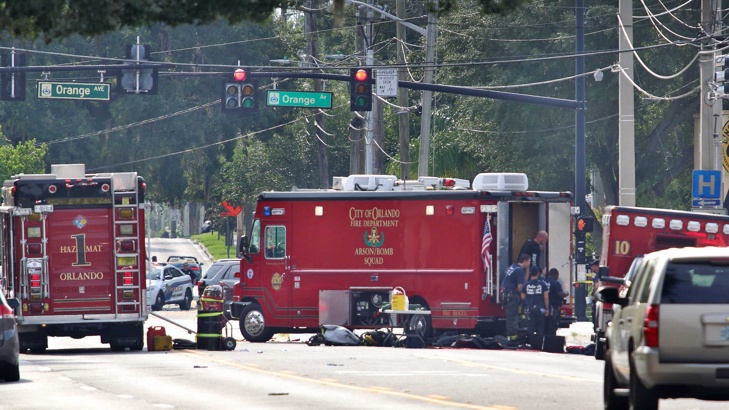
<point>595,269</point>
<point>556,297</point>
<point>512,282</point>
<point>535,294</point>
<point>187,271</point>
<point>533,247</point>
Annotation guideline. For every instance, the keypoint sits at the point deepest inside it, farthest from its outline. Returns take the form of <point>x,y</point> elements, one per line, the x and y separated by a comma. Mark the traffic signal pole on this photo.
<point>369,62</point>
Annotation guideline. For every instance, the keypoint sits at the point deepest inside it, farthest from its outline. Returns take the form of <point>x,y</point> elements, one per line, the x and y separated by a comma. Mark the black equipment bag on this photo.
<point>553,344</point>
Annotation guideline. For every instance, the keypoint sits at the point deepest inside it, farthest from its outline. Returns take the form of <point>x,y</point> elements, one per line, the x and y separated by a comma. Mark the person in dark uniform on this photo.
<point>512,282</point>
<point>187,271</point>
<point>535,294</point>
<point>556,297</point>
<point>533,248</point>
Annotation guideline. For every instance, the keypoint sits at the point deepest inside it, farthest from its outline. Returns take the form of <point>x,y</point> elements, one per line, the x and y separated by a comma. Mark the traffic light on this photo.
<point>360,89</point>
<point>13,84</point>
<point>721,75</point>
<point>146,82</point>
<point>584,224</point>
<point>239,93</point>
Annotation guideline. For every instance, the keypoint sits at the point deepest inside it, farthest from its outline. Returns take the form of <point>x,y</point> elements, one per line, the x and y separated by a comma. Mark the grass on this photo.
<point>215,244</point>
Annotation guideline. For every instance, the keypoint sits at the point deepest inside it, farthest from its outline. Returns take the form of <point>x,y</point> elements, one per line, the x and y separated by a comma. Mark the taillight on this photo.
<point>35,280</point>
<point>650,326</point>
<point>194,267</point>
<point>6,312</point>
<point>127,245</point>
<point>128,278</point>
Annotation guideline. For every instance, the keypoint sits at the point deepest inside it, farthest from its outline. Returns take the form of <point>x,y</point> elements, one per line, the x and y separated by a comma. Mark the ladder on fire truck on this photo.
<point>127,258</point>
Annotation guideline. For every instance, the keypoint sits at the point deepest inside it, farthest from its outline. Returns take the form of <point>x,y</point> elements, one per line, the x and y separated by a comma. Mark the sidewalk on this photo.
<point>579,334</point>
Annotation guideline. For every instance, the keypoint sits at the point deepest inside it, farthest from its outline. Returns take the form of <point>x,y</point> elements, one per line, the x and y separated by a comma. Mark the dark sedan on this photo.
<point>9,346</point>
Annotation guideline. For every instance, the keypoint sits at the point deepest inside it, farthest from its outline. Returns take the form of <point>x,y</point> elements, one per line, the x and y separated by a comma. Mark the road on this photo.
<point>286,373</point>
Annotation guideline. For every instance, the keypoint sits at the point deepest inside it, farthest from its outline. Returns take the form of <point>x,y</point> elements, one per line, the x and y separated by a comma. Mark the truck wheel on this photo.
<point>610,383</point>
<point>159,302</point>
<point>640,396</point>
<point>185,304</point>
<point>253,324</point>
<point>421,325</point>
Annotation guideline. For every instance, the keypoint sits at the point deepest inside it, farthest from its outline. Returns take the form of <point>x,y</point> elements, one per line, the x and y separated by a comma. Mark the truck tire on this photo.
<point>641,397</point>
<point>187,302</point>
<point>159,302</point>
<point>11,373</point>
<point>610,383</point>
<point>253,324</point>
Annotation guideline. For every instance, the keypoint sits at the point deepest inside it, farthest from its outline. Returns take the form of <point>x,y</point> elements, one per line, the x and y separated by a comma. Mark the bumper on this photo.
<point>709,376</point>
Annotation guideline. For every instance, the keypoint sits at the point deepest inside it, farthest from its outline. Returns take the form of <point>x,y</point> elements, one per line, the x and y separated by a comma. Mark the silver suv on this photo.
<point>669,335</point>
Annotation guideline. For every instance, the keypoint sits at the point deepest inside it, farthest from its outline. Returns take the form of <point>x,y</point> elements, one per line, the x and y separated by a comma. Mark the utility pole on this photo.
<point>312,56</point>
<point>580,152</point>
<point>370,61</point>
<point>709,144</point>
<point>626,108</point>
<point>355,146</point>
<point>402,95</point>
<point>427,103</point>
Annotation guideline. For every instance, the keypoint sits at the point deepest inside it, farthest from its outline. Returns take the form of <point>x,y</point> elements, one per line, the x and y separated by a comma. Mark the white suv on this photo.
<point>669,335</point>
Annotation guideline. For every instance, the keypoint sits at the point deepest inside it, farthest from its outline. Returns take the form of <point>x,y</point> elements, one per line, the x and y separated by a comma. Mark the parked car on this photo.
<point>9,346</point>
<point>168,285</point>
<point>669,335</point>
<point>223,272</point>
<point>195,265</point>
<point>206,227</point>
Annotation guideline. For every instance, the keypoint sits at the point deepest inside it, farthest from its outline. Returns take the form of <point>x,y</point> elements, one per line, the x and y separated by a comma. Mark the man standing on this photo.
<point>595,269</point>
<point>533,248</point>
<point>535,294</point>
<point>187,271</point>
<point>512,284</point>
<point>556,297</point>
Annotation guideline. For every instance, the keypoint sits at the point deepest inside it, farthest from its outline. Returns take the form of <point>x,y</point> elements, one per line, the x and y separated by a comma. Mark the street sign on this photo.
<point>74,91</point>
<point>302,99</point>
<point>715,211</point>
<point>706,184</point>
<point>700,203</point>
<point>230,210</point>
<point>386,82</point>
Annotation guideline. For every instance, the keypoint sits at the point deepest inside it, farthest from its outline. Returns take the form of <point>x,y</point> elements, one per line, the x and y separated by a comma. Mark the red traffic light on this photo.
<point>240,75</point>
<point>360,75</point>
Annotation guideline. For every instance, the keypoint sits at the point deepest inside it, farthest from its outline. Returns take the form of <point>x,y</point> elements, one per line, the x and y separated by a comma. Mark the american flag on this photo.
<point>486,246</point>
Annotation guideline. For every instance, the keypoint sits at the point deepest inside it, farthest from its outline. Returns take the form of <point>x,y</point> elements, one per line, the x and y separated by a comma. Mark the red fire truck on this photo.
<point>72,251</point>
<point>631,232</point>
<point>332,257</point>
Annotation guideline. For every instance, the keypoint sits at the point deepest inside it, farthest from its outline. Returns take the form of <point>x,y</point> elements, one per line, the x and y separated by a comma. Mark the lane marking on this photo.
<point>369,389</point>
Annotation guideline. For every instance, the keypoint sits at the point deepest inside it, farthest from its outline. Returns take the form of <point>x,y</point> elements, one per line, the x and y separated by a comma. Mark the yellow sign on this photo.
<point>725,145</point>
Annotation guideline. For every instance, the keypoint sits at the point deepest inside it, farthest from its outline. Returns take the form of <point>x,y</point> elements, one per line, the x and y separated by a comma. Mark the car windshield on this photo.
<point>213,270</point>
<point>154,274</point>
<point>696,283</point>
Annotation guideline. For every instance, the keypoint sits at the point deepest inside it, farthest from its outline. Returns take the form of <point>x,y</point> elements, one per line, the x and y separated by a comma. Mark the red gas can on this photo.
<point>151,333</point>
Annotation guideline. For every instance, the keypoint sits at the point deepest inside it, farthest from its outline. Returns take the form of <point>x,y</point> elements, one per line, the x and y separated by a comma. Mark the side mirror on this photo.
<point>13,303</point>
<point>610,294</point>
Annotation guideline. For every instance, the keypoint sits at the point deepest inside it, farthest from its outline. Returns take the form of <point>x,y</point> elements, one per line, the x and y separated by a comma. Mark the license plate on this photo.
<point>126,261</point>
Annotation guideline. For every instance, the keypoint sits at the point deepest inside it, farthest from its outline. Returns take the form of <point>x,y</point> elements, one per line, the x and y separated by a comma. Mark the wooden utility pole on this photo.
<point>402,95</point>
<point>312,57</point>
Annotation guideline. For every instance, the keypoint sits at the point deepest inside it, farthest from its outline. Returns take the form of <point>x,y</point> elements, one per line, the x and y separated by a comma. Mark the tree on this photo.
<point>26,158</point>
<point>56,19</point>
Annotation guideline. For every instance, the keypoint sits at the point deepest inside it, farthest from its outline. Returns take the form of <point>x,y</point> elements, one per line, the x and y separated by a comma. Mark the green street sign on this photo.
<point>304,99</point>
<point>74,91</point>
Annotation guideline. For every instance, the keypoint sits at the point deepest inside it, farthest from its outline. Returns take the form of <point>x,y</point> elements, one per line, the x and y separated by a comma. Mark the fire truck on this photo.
<point>72,252</point>
<point>333,257</point>
<point>631,232</point>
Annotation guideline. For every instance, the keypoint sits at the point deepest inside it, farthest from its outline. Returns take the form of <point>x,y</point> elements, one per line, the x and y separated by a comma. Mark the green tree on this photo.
<point>24,158</point>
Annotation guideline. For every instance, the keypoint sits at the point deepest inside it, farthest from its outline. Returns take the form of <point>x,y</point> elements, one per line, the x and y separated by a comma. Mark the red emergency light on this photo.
<point>128,278</point>
<point>240,74</point>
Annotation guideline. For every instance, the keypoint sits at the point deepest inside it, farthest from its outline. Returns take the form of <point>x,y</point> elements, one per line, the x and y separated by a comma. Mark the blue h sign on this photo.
<point>706,184</point>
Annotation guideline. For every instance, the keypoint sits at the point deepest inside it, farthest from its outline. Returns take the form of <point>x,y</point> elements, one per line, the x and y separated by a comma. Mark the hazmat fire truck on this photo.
<point>631,232</point>
<point>72,251</point>
<point>333,257</point>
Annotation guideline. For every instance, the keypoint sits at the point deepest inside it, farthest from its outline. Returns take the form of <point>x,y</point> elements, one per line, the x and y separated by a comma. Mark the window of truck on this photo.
<point>696,283</point>
<point>254,246</point>
<point>275,242</point>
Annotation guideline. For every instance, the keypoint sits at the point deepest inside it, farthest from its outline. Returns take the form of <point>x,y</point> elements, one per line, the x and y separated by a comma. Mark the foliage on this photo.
<point>214,242</point>
<point>25,158</point>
